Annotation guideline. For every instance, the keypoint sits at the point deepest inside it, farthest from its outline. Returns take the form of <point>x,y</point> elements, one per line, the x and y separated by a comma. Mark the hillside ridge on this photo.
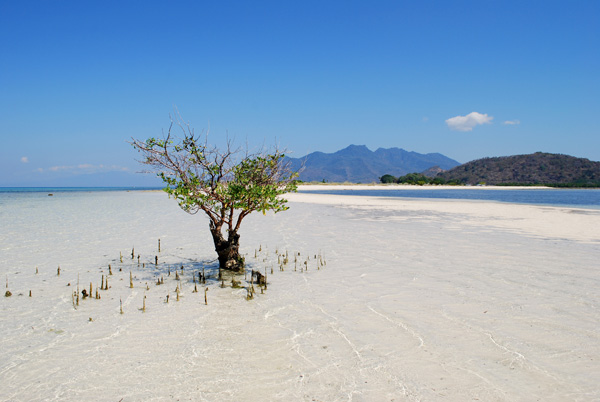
<point>539,168</point>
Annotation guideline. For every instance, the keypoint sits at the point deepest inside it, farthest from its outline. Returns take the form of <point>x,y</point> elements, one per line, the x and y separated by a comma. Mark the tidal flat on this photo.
<point>379,300</point>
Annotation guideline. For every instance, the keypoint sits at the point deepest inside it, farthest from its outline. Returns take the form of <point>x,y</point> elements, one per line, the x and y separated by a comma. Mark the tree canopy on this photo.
<point>223,183</point>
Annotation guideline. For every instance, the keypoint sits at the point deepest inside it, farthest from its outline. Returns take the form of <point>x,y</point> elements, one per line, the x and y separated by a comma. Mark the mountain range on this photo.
<point>358,164</point>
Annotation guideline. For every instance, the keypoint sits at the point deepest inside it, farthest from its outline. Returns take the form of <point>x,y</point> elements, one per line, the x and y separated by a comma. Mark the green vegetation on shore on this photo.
<point>538,169</point>
<point>416,179</point>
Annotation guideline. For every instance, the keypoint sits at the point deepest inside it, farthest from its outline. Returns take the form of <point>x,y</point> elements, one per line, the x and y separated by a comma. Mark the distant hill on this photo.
<point>433,171</point>
<point>358,164</point>
<point>533,169</point>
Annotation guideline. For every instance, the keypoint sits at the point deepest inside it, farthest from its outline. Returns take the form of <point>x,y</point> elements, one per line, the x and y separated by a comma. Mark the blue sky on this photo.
<point>467,79</point>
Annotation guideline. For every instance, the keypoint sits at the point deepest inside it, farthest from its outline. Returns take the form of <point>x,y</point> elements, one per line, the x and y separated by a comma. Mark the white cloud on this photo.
<point>25,159</point>
<point>85,168</point>
<point>466,123</point>
<point>512,122</point>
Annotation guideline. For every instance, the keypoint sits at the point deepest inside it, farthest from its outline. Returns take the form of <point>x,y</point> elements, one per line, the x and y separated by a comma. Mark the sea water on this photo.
<point>580,198</point>
<point>441,306</point>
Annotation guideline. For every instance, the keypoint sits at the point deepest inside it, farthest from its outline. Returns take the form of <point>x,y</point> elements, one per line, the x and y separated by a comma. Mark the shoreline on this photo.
<point>540,196</point>
<point>531,219</point>
<point>378,186</point>
<point>302,187</point>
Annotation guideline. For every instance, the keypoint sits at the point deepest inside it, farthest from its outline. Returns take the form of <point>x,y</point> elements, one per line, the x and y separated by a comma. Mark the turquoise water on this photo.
<point>70,189</point>
<point>21,195</point>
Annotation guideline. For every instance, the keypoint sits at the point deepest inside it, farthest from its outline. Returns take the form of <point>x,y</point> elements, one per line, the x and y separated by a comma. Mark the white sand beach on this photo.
<point>419,300</point>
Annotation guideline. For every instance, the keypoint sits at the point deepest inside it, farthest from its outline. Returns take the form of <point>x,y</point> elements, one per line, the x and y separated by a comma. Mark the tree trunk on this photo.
<point>227,250</point>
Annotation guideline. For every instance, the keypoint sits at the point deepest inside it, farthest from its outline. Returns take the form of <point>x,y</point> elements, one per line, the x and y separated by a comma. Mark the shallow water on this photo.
<point>411,306</point>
